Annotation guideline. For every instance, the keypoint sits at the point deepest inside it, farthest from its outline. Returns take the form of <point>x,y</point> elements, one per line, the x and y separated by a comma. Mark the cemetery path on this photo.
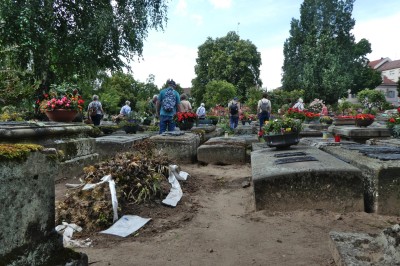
<point>215,224</point>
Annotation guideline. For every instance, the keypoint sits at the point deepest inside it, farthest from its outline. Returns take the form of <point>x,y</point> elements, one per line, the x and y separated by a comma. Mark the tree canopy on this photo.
<point>61,39</point>
<point>229,59</point>
<point>217,92</point>
<point>321,56</point>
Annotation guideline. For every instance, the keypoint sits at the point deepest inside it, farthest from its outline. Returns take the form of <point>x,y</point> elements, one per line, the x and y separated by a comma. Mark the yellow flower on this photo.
<point>288,129</point>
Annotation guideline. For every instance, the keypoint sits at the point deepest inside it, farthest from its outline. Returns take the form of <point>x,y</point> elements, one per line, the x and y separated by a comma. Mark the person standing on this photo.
<point>126,109</point>
<point>167,105</point>
<point>324,110</point>
<point>234,107</point>
<point>264,109</point>
<point>95,110</point>
<point>299,105</point>
<point>201,112</point>
<point>186,106</point>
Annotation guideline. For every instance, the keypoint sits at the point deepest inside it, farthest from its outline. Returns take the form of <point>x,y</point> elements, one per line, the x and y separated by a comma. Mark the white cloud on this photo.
<point>198,19</point>
<point>178,63</point>
<point>271,68</point>
<point>223,4</point>
<point>181,8</point>
<point>382,34</point>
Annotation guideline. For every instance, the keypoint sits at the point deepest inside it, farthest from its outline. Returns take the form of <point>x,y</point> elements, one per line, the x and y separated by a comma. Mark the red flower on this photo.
<point>392,120</point>
<point>365,116</point>
<point>182,117</point>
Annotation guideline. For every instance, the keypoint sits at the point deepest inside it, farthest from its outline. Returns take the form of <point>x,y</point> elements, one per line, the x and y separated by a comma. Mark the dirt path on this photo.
<point>215,224</point>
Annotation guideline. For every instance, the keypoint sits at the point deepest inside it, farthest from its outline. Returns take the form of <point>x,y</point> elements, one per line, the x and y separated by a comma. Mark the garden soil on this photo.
<point>215,223</point>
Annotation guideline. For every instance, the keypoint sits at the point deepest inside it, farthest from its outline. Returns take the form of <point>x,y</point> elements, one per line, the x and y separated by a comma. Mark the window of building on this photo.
<point>390,94</point>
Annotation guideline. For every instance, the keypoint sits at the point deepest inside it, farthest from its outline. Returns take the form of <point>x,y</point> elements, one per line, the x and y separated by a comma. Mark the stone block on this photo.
<point>27,216</point>
<point>223,150</point>
<point>304,178</point>
<point>366,249</point>
<point>381,179</point>
<point>108,146</point>
<point>360,134</point>
<point>179,148</point>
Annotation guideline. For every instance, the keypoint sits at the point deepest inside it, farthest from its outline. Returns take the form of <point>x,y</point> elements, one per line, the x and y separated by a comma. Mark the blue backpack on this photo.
<point>169,100</point>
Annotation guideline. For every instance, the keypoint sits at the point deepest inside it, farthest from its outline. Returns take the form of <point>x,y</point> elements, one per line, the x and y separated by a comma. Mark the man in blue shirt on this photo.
<point>167,105</point>
<point>126,109</point>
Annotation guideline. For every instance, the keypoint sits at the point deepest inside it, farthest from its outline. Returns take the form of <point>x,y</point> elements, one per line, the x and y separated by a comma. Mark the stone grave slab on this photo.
<point>366,249</point>
<point>221,150</point>
<point>109,145</point>
<point>179,147</point>
<point>360,134</point>
<point>381,177</point>
<point>247,129</point>
<point>304,178</point>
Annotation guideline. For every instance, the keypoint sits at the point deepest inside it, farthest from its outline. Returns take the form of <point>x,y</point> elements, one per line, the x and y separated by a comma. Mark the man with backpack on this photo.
<point>234,107</point>
<point>167,105</point>
<point>264,109</point>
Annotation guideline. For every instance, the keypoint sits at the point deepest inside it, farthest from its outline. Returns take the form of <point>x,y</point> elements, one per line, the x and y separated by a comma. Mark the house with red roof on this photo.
<point>390,73</point>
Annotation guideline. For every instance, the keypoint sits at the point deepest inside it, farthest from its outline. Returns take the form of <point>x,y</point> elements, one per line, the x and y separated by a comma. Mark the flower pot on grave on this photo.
<point>185,125</point>
<point>130,129</point>
<point>61,115</point>
<point>363,122</point>
<point>282,141</point>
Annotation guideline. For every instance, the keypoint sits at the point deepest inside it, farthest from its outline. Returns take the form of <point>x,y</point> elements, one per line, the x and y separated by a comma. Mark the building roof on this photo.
<point>378,63</point>
<point>390,65</point>
<point>387,81</point>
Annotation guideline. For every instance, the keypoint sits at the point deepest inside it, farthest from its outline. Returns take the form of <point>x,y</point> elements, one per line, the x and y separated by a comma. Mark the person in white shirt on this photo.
<point>201,111</point>
<point>299,105</point>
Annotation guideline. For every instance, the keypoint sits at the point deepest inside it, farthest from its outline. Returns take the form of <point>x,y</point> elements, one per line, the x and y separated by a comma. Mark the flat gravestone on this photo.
<point>223,150</point>
<point>360,133</point>
<point>381,177</point>
<point>179,147</point>
<point>304,178</point>
<point>366,249</point>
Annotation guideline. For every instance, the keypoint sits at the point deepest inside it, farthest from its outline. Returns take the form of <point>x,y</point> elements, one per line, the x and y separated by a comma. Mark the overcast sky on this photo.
<point>266,23</point>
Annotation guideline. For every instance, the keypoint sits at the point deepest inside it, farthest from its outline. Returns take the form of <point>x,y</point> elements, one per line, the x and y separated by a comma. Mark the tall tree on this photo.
<point>60,39</point>
<point>321,55</point>
<point>230,59</point>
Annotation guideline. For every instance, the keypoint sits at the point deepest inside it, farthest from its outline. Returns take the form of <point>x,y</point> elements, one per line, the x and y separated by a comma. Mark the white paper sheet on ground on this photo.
<point>114,200</point>
<point>175,194</point>
<point>67,230</point>
<point>126,225</point>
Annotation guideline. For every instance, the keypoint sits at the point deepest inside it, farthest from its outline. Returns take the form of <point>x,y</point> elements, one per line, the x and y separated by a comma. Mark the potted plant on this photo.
<point>282,133</point>
<point>62,103</point>
<point>311,117</point>
<point>185,120</point>
<point>295,114</point>
<point>130,123</point>
<point>393,123</point>
<point>364,120</point>
<point>326,120</point>
<point>243,117</point>
<point>213,118</point>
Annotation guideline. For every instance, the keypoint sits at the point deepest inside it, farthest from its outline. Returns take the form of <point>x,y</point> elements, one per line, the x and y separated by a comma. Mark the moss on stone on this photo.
<point>17,151</point>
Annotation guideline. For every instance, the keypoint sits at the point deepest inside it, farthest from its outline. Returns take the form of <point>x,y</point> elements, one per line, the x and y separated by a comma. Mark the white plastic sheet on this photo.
<point>114,200</point>
<point>126,225</point>
<point>175,193</point>
<point>67,230</point>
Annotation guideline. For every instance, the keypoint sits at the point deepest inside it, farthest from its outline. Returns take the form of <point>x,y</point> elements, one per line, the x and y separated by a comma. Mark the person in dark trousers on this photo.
<point>234,108</point>
<point>95,111</point>
<point>167,105</point>
<point>264,109</point>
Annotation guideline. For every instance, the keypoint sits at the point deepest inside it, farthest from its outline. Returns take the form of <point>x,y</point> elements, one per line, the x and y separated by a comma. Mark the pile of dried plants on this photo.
<point>140,176</point>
